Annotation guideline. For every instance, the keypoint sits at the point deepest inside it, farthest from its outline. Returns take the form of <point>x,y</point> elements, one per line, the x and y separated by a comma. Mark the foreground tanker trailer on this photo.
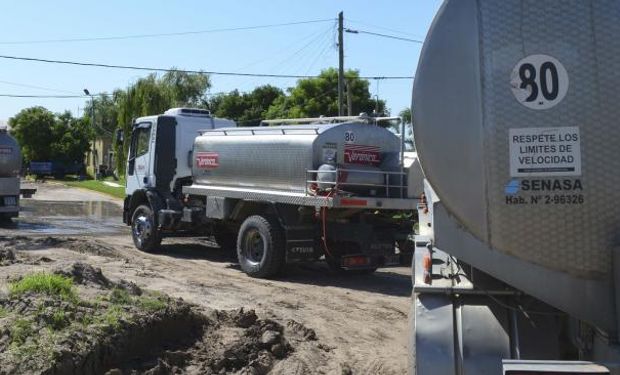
<point>517,265</point>
<point>10,168</point>
<point>279,194</point>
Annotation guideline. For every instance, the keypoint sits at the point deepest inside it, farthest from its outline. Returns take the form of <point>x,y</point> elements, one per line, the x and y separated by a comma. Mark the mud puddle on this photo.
<point>67,218</point>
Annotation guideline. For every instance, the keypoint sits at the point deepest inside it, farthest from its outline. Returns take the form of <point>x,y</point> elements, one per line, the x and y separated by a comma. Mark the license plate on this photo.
<point>391,260</point>
<point>10,201</point>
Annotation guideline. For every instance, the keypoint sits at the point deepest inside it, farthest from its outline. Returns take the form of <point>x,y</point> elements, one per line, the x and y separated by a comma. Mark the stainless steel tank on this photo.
<point>278,157</point>
<point>516,127</point>
<point>10,155</point>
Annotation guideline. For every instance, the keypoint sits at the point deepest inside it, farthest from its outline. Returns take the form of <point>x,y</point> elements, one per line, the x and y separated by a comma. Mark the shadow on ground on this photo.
<point>383,281</point>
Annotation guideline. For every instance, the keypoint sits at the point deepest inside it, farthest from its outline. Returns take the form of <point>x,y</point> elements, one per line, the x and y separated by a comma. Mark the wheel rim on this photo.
<point>142,228</point>
<point>254,247</point>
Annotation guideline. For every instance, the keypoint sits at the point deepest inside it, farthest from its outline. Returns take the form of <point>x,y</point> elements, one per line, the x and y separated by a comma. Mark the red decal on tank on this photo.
<point>207,160</point>
<point>360,154</point>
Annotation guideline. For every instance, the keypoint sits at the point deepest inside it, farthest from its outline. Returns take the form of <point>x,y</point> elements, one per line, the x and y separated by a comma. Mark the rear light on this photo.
<point>427,265</point>
<point>355,261</point>
<point>423,203</point>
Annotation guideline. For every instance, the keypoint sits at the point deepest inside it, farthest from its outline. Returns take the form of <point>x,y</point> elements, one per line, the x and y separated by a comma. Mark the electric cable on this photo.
<point>158,35</point>
<point>134,67</point>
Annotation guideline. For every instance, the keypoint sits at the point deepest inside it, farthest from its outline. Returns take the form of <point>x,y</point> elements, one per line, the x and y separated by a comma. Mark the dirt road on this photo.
<point>360,321</point>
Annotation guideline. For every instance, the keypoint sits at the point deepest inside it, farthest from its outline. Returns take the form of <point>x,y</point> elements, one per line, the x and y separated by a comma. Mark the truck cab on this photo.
<point>160,164</point>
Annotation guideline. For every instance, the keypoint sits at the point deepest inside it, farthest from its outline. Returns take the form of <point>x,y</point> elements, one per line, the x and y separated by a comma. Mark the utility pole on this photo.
<point>340,65</point>
<point>349,99</point>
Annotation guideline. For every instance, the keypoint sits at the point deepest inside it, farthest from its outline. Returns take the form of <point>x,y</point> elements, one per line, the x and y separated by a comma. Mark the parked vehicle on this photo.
<point>516,267</point>
<point>10,168</point>
<point>277,194</point>
<point>57,169</point>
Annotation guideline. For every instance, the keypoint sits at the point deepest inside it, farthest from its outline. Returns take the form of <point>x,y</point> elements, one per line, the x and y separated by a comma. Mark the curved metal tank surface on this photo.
<point>528,165</point>
<point>10,155</point>
<point>277,158</point>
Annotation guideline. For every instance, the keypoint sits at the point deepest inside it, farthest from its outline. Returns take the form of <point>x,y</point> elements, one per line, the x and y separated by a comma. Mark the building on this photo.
<point>101,161</point>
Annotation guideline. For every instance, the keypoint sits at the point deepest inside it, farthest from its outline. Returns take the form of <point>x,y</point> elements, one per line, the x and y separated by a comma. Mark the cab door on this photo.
<point>139,163</point>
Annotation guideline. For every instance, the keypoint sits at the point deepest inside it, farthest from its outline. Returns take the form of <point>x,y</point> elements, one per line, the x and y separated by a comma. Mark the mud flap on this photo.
<point>301,245</point>
<point>454,337</point>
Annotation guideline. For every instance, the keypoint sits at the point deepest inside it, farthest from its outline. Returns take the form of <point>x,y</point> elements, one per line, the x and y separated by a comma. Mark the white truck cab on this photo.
<point>160,154</point>
<point>176,129</point>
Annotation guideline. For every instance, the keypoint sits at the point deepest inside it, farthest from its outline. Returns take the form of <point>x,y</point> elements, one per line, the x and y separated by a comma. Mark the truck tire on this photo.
<point>260,247</point>
<point>146,236</point>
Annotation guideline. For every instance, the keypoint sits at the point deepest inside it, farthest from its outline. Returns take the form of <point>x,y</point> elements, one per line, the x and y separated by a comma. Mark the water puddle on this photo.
<point>68,218</point>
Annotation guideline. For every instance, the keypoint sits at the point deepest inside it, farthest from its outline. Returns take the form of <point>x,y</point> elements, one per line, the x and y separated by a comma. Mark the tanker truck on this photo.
<point>291,192</point>
<point>517,263</point>
<point>10,168</point>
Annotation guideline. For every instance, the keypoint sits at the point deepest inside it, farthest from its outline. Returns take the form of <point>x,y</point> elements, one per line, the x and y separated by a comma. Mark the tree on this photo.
<point>45,136</point>
<point>152,95</point>
<point>406,115</point>
<point>32,127</point>
<point>248,109</point>
<point>71,138</point>
<point>106,114</point>
<point>313,97</point>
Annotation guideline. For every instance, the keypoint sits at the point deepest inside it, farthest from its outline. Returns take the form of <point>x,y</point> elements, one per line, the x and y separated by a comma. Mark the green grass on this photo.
<point>96,185</point>
<point>21,330</point>
<point>112,317</point>
<point>3,312</point>
<point>151,304</point>
<point>45,283</point>
<point>120,297</point>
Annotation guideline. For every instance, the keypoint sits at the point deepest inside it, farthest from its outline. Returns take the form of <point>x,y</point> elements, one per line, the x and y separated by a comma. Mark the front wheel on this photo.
<point>260,247</point>
<point>144,231</point>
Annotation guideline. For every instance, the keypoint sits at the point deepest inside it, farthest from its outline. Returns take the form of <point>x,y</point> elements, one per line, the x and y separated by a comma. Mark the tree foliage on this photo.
<point>45,136</point>
<point>153,95</point>
<point>247,109</point>
<point>105,114</point>
<point>406,115</point>
<point>313,97</point>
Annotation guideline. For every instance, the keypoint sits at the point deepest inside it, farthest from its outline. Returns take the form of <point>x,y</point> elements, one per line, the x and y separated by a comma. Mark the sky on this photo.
<point>302,49</point>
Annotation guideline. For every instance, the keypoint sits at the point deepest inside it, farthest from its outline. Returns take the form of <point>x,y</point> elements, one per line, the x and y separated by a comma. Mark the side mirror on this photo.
<point>119,137</point>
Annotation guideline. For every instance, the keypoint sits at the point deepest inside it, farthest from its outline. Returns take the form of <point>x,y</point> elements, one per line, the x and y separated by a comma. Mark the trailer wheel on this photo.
<point>260,247</point>
<point>146,236</point>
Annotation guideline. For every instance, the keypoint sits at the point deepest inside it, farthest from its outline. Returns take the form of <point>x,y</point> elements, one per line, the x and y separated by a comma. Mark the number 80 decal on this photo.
<point>539,81</point>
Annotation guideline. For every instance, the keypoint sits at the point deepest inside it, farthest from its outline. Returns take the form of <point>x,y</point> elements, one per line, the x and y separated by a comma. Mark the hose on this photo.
<point>324,220</point>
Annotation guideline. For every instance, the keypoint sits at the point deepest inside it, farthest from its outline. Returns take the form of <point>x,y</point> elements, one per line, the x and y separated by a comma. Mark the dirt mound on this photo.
<point>85,274</point>
<point>80,245</point>
<point>7,256</point>
<point>236,341</point>
<point>120,329</point>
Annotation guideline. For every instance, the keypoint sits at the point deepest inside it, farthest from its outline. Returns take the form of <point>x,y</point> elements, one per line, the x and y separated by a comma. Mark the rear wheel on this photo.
<point>146,236</point>
<point>260,246</point>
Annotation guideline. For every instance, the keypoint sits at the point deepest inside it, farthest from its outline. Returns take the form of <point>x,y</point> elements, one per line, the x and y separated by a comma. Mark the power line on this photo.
<point>132,67</point>
<point>35,87</point>
<point>143,36</point>
<point>384,36</point>
<point>382,28</point>
<point>43,96</point>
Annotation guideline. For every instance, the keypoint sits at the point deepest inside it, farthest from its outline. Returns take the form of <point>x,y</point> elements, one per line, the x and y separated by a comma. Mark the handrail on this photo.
<point>401,187</point>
